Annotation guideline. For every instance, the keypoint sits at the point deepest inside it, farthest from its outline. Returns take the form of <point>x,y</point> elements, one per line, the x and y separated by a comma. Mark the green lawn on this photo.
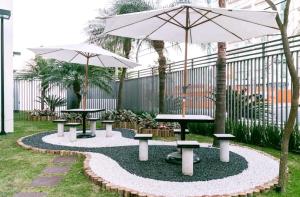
<point>18,167</point>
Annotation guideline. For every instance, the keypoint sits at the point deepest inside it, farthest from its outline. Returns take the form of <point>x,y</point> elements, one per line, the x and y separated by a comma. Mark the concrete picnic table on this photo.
<point>175,157</point>
<point>84,113</point>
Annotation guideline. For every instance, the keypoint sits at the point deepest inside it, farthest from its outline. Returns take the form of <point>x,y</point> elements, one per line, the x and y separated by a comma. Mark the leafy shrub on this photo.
<point>295,140</point>
<point>71,117</point>
<point>240,131</point>
<point>257,135</point>
<point>146,120</point>
<point>206,129</point>
<point>53,101</point>
<point>109,115</point>
<point>45,112</point>
<point>273,136</point>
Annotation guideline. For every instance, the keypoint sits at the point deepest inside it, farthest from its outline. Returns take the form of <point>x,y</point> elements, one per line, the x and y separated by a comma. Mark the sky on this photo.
<point>57,22</point>
<point>50,22</point>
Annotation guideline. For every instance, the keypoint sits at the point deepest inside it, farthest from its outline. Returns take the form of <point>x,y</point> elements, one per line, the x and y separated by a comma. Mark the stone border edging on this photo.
<point>126,192</point>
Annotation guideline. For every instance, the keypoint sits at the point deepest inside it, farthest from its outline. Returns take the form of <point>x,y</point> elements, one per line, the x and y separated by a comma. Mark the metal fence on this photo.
<point>254,73</point>
<point>27,93</point>
<point>258,84</point>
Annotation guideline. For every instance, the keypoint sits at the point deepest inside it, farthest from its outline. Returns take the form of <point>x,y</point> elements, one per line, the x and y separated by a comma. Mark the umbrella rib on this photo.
<point>83,54</point>
<point>50,52</point>
<point>179,25</point>
<point>204,21</point>
<point>100,60</point>
<point>163,24</point>
<point>175,20</point>
<point>219,25</point>
<point>140,20</point>
<point>198,19</point>
<point>122,62</point>
<point>74,57</point>
<point>239,19</point>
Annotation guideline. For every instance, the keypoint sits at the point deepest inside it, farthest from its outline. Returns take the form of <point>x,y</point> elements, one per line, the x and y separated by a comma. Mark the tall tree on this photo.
<point>39,69</point>
<point>220,110</point>
<point>126,50</point>
<point>116,44</point>
<point>159,46</point>
<point>288,129</point>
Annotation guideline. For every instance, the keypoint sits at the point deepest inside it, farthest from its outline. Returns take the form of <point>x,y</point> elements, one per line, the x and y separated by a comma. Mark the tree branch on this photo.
<point>273,6</point>
<point>286,13</point>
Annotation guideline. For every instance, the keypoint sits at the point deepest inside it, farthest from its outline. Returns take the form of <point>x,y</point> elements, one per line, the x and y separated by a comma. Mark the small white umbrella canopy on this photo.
<point>87,54</point>
<point>193,24</point>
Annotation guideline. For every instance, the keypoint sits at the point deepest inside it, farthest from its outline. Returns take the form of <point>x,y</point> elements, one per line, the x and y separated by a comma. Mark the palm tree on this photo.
<point>220,111</point>
<point>39,69</point>
<point>159,46</point>
<point>116,44</point>
<point>72,76</point>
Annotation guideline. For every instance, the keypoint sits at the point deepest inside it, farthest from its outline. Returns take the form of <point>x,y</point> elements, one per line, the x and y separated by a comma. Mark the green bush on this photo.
<point>206,129</point>
<point>257,134</point>
<point>295,140</point>
<point>273,136</point>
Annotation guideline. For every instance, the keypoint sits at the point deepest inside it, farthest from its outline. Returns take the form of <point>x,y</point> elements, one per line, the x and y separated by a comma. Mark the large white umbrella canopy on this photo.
<point>193,24</point>
<point>87,54</point>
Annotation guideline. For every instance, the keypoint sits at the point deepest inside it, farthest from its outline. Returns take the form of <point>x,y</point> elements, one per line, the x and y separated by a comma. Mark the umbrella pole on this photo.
<point>85,84</point>
<point>185,86</point>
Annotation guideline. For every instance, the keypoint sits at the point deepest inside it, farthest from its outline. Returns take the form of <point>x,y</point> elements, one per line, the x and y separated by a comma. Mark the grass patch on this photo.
<point>18,167</point>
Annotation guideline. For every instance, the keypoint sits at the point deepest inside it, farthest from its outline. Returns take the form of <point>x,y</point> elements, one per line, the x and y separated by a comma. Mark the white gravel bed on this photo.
<point>99,141</point>
<point>261,169</point>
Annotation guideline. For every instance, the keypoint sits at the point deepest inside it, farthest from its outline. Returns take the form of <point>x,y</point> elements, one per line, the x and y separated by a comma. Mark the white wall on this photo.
<point>8,68</point>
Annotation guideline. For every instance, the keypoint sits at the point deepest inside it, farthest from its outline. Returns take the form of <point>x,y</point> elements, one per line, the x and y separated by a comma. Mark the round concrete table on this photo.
<point>176,157</point>
<point>84,113</point>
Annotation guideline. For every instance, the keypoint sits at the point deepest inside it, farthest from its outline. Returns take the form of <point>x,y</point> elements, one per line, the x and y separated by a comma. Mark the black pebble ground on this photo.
<point>209,168</point>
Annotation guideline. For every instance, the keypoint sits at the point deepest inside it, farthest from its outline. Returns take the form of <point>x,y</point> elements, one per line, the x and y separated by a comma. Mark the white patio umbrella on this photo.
<point>193,24</point>
<point>87,54</point>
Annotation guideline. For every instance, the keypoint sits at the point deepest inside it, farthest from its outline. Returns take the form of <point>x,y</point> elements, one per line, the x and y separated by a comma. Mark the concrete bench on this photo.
<point>93,125</point>
<point>187,156</point>
<point>60,126</point>
<point>108,127</point>
<point>224,140</point>
<point>72,132</point>
<point>143,145</point>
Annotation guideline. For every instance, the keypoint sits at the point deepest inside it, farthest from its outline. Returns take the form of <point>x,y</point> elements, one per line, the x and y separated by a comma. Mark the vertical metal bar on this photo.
<point>276,90</point>
<point>281,82</point>
<point>297,64</point>
<point>240,89</point>
<point>272,88</point>
<point>287,92</point>
<point>255,73</point>
<point>268,93</point>
<point>251,90</point>
<point>247,77</point>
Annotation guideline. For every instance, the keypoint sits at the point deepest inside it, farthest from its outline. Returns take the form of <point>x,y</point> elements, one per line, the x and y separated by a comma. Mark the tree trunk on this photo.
<point>126,50</point>
<point>159,47</point>
<point>43,95</point>
<point>44,87</point>
<point>120,93</point>
<point>220,111</point>
<point>76,88</point>
<point>289,126</point>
